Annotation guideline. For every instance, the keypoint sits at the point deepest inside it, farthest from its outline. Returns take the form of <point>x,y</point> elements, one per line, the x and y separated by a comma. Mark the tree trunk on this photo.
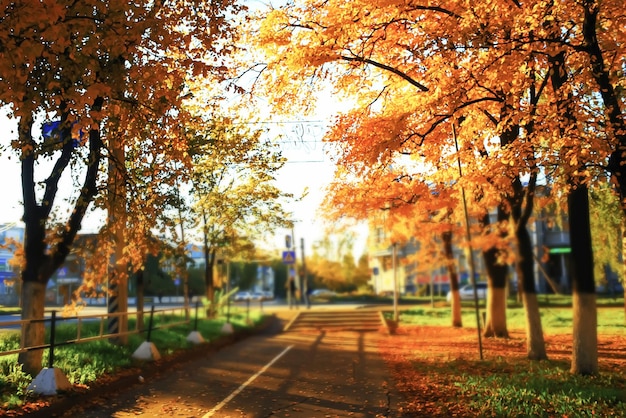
<point>624,264</point>
<point>210,282</point>
<point>497,274</point>
<point>183,256</point>
<point>41,257</point>
<point>118,272</point>
<point>496,302</point>
<point>209,260</point>
<point>521,203</point>
<point>140,298</point>
<point>33,300</point>
<point>535,343</point>
<point>455,301</point>
<point>585,332</point>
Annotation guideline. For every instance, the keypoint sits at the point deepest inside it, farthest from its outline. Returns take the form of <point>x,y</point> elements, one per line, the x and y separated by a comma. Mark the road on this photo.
<point>313,374</point>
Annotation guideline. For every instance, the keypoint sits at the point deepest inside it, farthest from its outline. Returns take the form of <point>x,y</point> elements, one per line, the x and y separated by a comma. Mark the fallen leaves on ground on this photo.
<point>417,357</point>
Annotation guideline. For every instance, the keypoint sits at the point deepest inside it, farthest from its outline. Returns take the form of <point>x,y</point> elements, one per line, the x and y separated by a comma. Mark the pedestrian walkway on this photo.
<point>338,320</point>
<point>338,374</point>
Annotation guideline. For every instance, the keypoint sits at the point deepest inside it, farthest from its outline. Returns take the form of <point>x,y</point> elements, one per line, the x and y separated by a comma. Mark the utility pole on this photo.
<point>305,281</point>
<point>296,276</point>
<point>468,237</point>
<point>183,263</point>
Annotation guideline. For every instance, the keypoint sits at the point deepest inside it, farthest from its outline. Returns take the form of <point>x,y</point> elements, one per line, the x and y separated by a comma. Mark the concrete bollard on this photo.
<point>195,337</point>
<point>227,328</point>
<point>146,351</point>
<point>49,381</point>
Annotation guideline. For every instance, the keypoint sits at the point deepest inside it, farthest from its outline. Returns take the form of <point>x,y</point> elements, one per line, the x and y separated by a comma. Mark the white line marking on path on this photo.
<point>246,383</point>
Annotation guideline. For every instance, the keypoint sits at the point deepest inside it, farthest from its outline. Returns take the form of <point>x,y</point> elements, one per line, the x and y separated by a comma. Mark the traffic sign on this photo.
<point>289,257</point>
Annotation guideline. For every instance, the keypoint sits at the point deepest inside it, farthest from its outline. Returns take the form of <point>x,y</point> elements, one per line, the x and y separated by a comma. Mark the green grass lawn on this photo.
<point>555,320</point>
<point>556,315</point>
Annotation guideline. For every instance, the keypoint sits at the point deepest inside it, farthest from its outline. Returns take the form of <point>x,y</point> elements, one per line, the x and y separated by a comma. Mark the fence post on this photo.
<point>147,350</point>
<point>227,328</point>
<point>194,336</point>
<point>247,310</point>
<point>150,324</point>
<point>50,380</point>
<point>52,339</point>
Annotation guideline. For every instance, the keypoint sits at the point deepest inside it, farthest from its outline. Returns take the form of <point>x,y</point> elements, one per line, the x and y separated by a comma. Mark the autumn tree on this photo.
<point>606,229</point>
<point>603,46</point>
<point>333,265</point>
<point>545,81</point>
<point>235,198</point>
<point>399,115</point>
<point>50,71</point>
<point>405,204</point>
<point>362,273</point>
<point>587,108</point>
<point>71,70</point>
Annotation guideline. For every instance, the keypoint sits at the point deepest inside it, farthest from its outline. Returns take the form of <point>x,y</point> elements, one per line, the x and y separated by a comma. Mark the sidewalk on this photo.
<point>319,375</point>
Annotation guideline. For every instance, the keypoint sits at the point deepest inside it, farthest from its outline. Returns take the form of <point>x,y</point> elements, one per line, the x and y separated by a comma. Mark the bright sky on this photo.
<point>308,167</point>
<point>11,189</point>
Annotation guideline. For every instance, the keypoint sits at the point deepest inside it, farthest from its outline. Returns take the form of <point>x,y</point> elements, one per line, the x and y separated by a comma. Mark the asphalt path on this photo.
<point>274,374</point>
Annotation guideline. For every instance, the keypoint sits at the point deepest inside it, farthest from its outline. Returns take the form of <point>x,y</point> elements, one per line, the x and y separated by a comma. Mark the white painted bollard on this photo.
<point>49,381</point>
<point>146,351</point>
<point>195,337</point>
<point>227,328</point>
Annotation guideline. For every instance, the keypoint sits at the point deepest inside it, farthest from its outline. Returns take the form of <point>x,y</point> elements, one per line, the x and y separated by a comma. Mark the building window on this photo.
<point>4,265</point>
<point>380,235</point>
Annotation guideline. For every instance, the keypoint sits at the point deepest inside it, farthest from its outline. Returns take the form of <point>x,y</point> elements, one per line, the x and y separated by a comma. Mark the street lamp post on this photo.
<point>469,243</point>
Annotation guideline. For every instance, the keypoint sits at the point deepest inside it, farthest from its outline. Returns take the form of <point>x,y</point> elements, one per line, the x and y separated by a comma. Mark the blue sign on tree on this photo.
<point>52,131</point>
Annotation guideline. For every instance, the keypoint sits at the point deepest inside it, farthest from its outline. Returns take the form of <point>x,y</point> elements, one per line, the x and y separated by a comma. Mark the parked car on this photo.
<point>258,296</point>
<point>467,292</point>
<point>243,295</point>
<point>322,294</point>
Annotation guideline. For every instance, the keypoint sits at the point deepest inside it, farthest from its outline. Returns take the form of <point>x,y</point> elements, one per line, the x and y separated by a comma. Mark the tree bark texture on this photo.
<point>33,300</point>
<point>455,301</point>
<point>624,264</point>
<point>585,331</point>
<point>535,342</point>
<point>535,346</point>
<point>140,291</point>
<point>521,202</point>
<point>497,274</point>
<point>209,262</point>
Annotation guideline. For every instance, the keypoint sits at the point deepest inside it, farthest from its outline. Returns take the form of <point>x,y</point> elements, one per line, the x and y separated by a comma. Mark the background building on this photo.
<point>11,237</point>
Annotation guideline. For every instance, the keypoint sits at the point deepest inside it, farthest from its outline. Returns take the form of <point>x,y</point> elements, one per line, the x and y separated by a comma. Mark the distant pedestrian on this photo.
<point>291,293</point>
<point>307,296</point>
